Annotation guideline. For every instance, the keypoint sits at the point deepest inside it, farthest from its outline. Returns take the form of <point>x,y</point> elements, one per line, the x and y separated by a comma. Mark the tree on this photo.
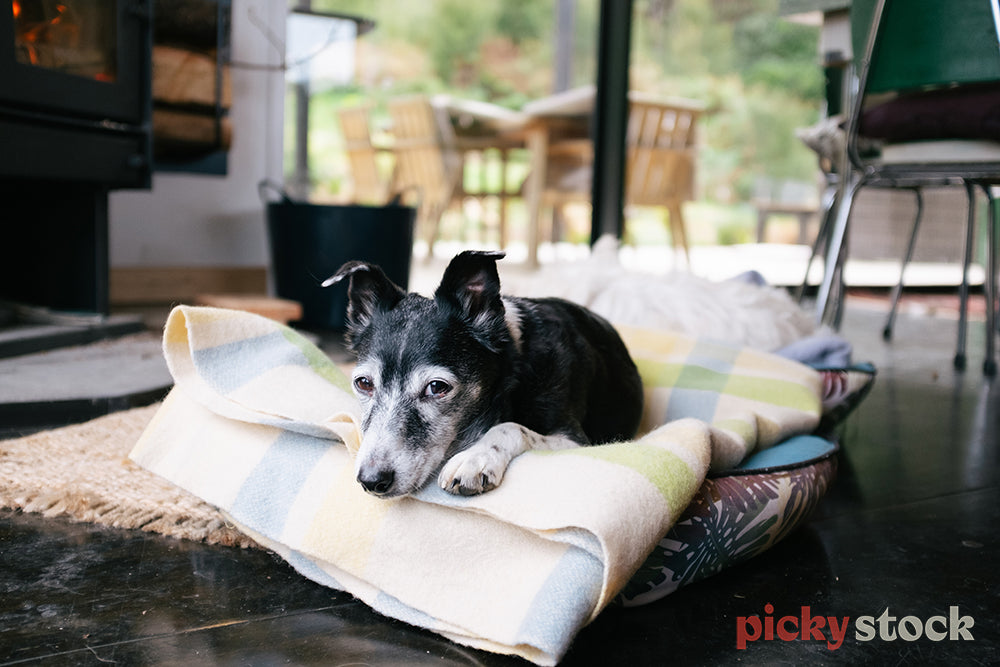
<point>521,20</point>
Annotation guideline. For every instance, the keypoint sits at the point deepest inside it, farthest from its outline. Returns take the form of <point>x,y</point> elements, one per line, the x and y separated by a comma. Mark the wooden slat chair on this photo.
<point>428,169</point>
<point>368,184</point>
<point>661,142</point>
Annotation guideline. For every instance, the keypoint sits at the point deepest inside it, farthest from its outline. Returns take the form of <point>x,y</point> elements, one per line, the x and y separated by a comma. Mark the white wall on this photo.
<point>198,220</point>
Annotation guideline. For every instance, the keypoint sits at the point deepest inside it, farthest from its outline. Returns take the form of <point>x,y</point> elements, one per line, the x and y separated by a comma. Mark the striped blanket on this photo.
<point>261,424</point>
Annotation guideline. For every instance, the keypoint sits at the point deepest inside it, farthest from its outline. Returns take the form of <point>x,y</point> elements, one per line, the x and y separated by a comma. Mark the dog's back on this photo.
<point>572,367</point>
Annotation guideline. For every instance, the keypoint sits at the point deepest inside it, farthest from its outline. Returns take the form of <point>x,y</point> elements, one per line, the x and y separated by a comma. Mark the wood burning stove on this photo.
<point>74,124</point>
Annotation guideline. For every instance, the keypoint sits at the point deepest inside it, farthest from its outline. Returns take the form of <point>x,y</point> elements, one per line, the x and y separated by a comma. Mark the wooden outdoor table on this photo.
<point>540,125</point>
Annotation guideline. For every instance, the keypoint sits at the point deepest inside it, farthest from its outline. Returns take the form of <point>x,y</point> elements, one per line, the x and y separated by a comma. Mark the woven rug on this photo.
<point>83,472</point>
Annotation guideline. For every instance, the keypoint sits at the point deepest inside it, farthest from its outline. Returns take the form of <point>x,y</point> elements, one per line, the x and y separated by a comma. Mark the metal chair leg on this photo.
<point>836,254</point>
<point>840,295</point>
<point>835,312</point>
<point>990,363</point>
<point>897,291</point>
<point>829,208</point>
<point>963,290</point>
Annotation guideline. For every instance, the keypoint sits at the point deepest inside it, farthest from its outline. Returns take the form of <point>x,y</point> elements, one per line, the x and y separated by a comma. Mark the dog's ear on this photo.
<point>471,286</point>
<point>368,292</point>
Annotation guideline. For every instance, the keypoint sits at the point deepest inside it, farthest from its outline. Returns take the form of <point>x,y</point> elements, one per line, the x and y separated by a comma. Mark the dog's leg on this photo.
<point>481,467</point>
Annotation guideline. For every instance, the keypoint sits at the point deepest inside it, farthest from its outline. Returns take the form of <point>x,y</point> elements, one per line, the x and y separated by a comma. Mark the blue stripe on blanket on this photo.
<point>581,539</point>
<point>691,403</point>
<point>701,382</point>
<point>718,357</point>
<point>434,494</point>
<point>229,366</point>
<point>267,494</point>
<point>390,606</point>
<point>307,568</point>
<point>563,603</point>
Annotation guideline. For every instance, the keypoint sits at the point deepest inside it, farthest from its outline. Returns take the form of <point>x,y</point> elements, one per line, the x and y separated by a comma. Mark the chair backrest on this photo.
<point>926,43</point>
<point>660,141</point>
<point>914,47</point>
<point>427,166</point>
<point>369,185</point>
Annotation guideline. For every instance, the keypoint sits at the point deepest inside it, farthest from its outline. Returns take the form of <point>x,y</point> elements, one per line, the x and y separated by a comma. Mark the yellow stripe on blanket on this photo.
<point>256,425</point>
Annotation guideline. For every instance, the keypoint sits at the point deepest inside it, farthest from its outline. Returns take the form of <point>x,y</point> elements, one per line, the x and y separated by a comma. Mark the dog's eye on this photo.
<point>364,385</point>
<point>437,388</point>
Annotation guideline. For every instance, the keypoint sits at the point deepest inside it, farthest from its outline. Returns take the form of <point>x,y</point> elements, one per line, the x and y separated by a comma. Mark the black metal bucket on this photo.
<point>309,242</point>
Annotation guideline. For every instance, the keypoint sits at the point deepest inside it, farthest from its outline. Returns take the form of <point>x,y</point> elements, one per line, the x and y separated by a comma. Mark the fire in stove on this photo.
<point>73,37</point>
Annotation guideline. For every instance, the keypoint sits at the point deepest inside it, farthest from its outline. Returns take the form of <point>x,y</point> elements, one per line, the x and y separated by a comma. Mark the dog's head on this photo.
<point>429,370</point>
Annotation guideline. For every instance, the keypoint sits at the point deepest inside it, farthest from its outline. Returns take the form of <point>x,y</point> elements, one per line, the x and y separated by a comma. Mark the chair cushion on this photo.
<point>961,112</point>
<point>949,151</point>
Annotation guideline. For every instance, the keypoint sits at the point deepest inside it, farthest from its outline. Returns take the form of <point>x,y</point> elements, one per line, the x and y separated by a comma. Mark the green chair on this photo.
<point>926,112</point>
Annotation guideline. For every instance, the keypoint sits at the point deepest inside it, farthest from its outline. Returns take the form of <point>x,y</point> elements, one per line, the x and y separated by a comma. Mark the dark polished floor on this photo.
<point>907,537</point>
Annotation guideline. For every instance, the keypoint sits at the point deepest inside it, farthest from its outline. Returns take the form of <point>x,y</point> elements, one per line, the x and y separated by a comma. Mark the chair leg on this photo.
<point>558,223</point>
<point>502,200</point>
<point>990,363</point>
<point>433,218</point>
<point>841,293</point>
<point>897,291</point>
<point>829,210</point>
<point>761,224</point>
<point>678,233</point>
<point>836,255</point>
<point>963,289</point>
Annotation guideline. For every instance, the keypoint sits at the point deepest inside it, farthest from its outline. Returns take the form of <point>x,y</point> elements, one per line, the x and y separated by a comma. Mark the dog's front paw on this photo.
<point>472,472</point>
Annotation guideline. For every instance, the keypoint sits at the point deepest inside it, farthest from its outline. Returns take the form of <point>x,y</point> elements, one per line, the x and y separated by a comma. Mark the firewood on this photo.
<point>183,77</point>
<point>183,133</point>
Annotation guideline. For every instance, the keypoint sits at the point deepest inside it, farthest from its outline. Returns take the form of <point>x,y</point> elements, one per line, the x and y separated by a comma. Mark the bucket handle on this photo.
<point>267,184</point>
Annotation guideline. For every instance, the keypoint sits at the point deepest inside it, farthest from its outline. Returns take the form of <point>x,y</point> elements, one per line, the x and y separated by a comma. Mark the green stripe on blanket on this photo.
<point>319,362</point>
<point>661,467</point>
<point>254,425</point>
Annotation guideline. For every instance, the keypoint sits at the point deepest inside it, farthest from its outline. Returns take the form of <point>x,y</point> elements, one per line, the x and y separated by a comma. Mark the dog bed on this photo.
<point>740,513</point>
<point>736,516</point>
<point>255,424</point>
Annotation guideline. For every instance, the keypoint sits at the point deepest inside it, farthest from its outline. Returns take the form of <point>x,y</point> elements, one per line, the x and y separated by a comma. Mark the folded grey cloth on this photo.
<point>819,351</point>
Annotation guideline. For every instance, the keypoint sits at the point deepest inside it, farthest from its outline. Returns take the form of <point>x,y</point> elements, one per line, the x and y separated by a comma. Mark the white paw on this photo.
<point>474,471</point>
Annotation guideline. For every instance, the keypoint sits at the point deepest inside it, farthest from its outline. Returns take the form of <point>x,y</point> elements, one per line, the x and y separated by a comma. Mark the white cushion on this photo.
<point>953,150</point>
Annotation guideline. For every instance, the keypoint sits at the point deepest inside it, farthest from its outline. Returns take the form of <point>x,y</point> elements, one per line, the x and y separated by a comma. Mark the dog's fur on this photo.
<point>471,379</point>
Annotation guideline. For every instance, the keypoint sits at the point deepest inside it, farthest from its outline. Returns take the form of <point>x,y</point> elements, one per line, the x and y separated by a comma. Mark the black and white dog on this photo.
<point>470,379</point>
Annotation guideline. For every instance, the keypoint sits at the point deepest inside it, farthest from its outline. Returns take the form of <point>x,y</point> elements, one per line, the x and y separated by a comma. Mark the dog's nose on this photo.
<point>378,483</point>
